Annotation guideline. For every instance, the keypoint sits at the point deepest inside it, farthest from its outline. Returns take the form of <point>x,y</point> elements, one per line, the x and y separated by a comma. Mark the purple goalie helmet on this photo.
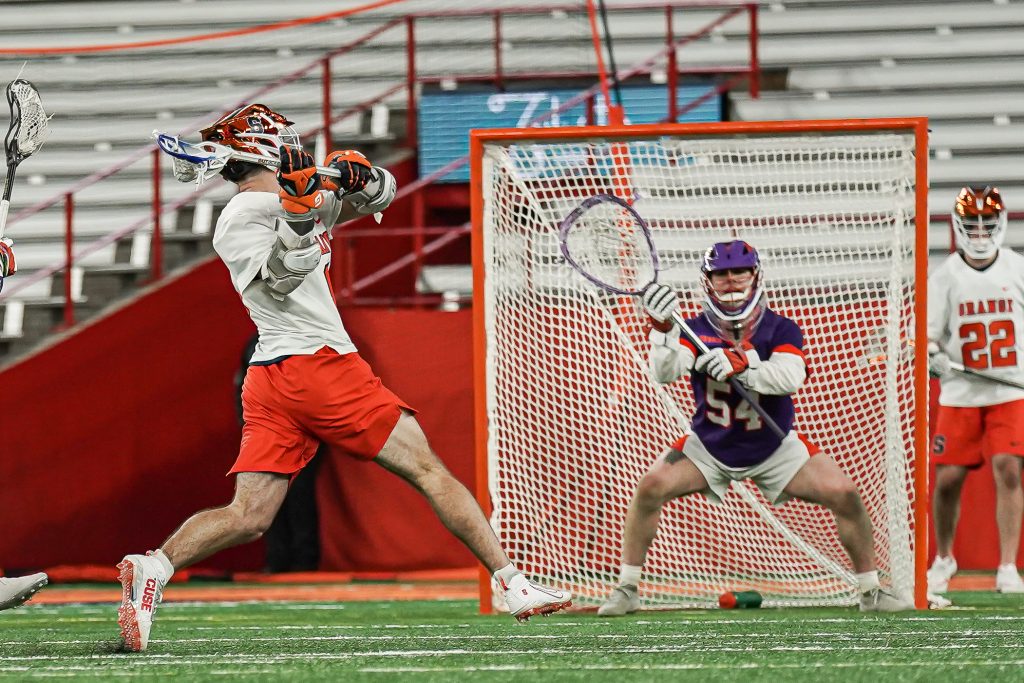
<point>736,312</point>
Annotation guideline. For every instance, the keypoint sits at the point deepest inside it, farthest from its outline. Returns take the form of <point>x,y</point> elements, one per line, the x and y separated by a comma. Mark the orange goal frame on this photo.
<point>917,125</point>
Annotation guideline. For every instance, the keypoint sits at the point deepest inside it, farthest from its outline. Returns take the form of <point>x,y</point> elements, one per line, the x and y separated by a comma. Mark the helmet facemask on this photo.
<point>253,134</point>
<point>979,222</point>
<point>738,311</point>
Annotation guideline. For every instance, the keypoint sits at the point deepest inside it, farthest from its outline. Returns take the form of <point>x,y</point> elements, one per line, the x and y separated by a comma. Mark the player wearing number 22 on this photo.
<point>976,319</point>
<point>727,440</point>
<point>305,384</point>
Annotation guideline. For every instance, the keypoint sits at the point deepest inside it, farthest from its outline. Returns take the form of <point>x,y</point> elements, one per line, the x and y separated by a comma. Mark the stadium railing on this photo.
<point>666,59</point>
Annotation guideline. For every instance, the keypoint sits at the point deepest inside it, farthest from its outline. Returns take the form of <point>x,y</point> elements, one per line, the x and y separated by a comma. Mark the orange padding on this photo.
<point>92,573</point>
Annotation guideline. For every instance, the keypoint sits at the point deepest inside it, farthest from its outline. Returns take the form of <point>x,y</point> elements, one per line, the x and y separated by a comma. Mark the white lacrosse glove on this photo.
<point>720,364</point>
<point>660,303</point>
<point>939,363</point>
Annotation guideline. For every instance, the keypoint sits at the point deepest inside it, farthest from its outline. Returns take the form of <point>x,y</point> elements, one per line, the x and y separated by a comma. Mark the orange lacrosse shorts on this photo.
<point>291,406</point>
<point>966,436</point>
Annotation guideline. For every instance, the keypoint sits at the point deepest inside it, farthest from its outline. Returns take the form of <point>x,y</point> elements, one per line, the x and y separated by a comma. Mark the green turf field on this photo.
<point>981,640</point>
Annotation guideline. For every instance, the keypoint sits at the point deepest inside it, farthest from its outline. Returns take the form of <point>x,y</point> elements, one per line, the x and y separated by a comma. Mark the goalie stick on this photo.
<point>607,242</point>
<point>28,131</point>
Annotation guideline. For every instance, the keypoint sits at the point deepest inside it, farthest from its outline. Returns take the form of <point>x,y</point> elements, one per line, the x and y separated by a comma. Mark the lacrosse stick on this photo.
<point>29,130</point>
<point>202,161</point>
<point>991,378</point>
<point>609,244</point>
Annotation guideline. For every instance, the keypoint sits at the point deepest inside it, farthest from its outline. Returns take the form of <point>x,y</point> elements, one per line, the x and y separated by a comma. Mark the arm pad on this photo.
<point>291,259</point>
<point>377,194</point>
<point>779,375</point>
<point>669,360</point>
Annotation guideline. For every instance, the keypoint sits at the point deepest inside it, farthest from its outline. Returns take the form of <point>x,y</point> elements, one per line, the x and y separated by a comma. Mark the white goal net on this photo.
<point>573,418</point>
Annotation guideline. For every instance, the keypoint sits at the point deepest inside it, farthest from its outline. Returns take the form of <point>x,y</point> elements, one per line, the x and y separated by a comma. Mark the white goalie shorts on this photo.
<point>770,476</point>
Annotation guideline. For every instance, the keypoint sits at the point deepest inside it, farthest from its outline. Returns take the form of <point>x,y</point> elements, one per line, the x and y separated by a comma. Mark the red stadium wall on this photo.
<point>114,435</point>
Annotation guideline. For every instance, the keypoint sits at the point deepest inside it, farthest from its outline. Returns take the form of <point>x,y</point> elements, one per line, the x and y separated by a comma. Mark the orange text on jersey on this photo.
<point>986,306</point>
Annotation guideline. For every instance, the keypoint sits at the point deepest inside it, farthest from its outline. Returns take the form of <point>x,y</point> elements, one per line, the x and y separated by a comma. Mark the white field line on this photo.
<point>692,637</point>
<point>144,663</point>
<point>554,622</point>
<point>692,667</point>
<point>244,658</point>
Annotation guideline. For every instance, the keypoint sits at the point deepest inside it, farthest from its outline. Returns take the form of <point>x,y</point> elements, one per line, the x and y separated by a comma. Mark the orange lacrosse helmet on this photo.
<point>257,130</point>
<point>979,221</point>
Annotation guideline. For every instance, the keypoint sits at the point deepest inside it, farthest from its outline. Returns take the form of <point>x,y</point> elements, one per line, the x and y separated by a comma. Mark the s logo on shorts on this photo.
<point>939,444</point>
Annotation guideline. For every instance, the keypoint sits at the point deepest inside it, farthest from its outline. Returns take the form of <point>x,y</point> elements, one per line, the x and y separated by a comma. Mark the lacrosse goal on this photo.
<point>567,416</point>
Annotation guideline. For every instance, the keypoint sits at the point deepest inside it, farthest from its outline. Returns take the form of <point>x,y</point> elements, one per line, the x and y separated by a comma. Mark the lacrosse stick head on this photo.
<point>734,304</point>
<point>608,243</point>
<point>29,123</point>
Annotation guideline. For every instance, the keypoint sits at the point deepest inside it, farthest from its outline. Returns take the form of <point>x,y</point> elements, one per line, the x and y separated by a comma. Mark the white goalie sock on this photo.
<point>629,575</point>
<point>868,581</point>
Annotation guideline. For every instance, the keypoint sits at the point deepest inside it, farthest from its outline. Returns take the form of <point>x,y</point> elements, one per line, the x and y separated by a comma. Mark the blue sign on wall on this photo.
<point>445,119</point>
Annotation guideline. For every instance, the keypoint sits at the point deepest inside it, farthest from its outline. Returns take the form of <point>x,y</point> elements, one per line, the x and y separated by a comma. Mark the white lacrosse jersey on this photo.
<point>308,319</point>
<point>977,318</point>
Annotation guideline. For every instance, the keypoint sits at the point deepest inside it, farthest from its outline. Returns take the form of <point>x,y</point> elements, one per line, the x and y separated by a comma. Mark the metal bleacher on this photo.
<point>953,61</point>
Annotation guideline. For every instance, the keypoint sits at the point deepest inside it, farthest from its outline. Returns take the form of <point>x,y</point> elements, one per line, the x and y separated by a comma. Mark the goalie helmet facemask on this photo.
<point>979,221</point>
<point>734,309</point>
<point>254,130</point>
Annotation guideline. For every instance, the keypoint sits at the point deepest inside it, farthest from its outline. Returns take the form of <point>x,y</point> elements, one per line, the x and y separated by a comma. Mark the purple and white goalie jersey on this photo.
<point>727,426</point>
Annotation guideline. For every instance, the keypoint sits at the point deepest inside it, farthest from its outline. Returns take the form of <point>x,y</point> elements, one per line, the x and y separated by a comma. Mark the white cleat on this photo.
<point>622,601</point>
<point>142,584</point>
<point>936,601</point>
<point>526,599</point>
<point>1008,580</point>
<point>881,600</point>
<point>17,591</point>
<point>943,569</point>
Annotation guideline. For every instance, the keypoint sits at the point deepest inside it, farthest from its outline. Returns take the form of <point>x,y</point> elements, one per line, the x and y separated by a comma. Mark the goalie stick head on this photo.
<point>734,307</point>
<point>979,221</point>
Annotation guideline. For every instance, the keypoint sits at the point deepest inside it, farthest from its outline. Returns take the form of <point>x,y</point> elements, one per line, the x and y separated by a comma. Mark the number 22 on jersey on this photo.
<point>988,346</point>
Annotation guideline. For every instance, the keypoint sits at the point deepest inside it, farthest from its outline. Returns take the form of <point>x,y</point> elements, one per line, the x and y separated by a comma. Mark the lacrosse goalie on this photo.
<point>729,442</point>
<point>306,384</point>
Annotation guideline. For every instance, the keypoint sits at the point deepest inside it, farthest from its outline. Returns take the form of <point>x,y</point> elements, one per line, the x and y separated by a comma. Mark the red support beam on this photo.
<point>410,83</point>
<point>755,64</point>
<point>156,248</point>
<point>672,68</point>
<point>69,219</point>
<point>326,104</point>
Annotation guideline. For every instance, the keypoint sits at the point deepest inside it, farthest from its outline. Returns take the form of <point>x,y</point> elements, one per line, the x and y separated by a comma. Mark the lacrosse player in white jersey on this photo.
<point>306,384</point>
<point>976,321</point>
<point>17,590</point>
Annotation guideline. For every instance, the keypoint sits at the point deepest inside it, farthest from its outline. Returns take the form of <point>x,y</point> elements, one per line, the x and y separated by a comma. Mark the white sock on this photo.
<point>505,575</point>
<point>868,581</point>
<point>629,575</point>
<point>1009,567</point>
<point>165,564</point>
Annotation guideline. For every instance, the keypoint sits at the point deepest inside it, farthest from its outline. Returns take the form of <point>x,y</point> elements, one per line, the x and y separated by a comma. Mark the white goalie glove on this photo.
<point>660,303</point>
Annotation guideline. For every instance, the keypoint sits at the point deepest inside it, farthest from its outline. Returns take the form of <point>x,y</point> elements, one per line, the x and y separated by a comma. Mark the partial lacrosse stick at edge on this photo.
<point>28,131</point>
